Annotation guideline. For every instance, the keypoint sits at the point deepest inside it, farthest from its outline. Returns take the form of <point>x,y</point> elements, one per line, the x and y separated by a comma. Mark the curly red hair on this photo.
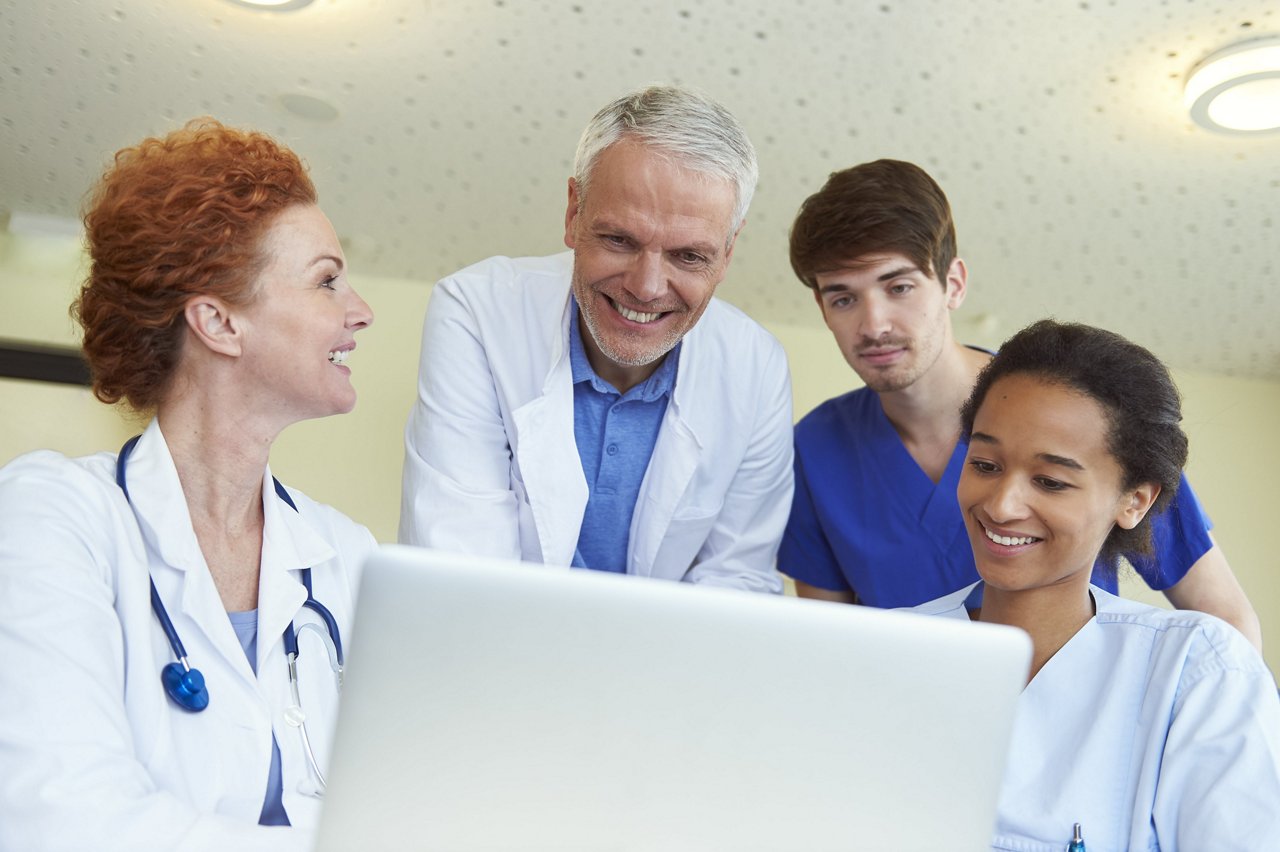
<point>175,216</point>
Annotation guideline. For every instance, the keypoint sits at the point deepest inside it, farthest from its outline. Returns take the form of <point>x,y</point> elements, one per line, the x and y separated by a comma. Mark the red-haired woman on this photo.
<point>171,616</point>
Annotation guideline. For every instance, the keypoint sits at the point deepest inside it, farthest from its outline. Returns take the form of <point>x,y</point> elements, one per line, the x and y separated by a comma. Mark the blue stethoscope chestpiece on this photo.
<point>185,686</point>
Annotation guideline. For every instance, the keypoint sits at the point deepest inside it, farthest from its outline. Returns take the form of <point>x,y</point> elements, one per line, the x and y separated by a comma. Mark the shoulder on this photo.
<point>730,365</point>
<point>500,276</point>
<point>59,506</point>
<point>504,300</point>
<point>836,415</point>
<point>1201,643</point>
<point>947,606</point>
<point>45,476</point>
<point>724,328</point>
<point>350,538</point>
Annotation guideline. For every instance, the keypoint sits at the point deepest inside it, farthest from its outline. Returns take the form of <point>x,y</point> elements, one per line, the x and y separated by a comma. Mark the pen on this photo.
<point>1077,842</point>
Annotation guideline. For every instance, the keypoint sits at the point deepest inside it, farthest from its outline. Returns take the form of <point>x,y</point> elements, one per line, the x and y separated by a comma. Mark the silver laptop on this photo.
<point>500,706</point>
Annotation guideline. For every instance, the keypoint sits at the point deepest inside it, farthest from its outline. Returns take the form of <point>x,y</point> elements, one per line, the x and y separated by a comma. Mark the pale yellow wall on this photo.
<point>353,461</point>
<point>1235,459</point>
<point>38,280</point>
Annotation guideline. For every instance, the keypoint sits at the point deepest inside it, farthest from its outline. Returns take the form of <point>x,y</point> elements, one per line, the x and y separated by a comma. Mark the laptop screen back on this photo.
<point>498,706</point>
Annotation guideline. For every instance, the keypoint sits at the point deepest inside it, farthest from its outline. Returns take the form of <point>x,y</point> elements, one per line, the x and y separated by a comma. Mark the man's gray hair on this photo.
<point>695,131</point>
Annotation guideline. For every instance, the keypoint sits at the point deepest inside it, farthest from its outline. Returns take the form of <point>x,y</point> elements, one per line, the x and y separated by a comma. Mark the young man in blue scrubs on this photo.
<point>875,518</point>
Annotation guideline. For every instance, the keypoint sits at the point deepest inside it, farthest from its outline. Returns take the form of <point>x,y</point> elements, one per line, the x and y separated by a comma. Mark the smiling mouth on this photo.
<point>881,354</point>
<point>1009,540</point>
<point>635,316</point>
<point>339,356</point>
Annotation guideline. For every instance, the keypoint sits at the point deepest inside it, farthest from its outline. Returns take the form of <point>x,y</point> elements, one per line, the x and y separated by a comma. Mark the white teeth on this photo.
<point>634,316</point>
<point>339,356</point>
<point>1008,541</point>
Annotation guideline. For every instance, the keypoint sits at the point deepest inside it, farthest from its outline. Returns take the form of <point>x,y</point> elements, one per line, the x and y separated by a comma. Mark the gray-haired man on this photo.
<point>601,409</point>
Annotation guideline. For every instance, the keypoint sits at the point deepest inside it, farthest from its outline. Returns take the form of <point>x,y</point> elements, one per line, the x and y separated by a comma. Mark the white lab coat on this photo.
<point>1153,729</point>
<point>492,466</point>
<point>93,755</point>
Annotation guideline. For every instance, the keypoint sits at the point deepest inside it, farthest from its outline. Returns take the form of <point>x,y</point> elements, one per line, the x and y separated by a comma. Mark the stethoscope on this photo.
<point>185,685</point>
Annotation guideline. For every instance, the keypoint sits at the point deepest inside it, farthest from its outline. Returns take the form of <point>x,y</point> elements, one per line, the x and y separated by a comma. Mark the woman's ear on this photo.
<point>1135,504</point>
<point>212,324</point>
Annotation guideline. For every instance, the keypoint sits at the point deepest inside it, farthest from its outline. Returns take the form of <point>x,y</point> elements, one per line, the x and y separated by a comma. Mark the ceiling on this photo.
<point>1080,187</point>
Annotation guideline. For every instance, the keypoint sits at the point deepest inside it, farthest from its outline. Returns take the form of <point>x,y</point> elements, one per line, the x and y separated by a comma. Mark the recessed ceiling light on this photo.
<point>1237,89</point>
<point>272,5</point>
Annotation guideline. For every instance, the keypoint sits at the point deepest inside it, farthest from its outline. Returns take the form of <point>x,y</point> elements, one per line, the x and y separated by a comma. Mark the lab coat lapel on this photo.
<point>155,495</point>
<point>546,454</point>
<point>671,467</point>
<point>288,546</point>
<point>180,573</point>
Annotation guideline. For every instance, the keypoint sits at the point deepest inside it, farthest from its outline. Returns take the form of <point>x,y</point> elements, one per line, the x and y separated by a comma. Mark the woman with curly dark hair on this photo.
<point>1139,728</point>
<point>171,616</point>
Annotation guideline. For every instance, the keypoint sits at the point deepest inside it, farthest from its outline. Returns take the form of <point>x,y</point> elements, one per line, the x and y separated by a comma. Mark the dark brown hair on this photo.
<point>175,216</point>
<point>884,206</point>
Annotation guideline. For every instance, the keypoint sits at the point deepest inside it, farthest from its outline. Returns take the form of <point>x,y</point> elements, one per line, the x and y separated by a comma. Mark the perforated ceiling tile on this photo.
<point>1080,187</point>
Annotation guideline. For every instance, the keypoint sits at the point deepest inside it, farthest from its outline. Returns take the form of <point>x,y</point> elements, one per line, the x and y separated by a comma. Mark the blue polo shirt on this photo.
<point>616,434</point>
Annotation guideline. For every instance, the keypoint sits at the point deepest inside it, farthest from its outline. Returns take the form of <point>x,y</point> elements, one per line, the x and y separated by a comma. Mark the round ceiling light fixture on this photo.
<point>271,5</point>
<point>1237,89</point>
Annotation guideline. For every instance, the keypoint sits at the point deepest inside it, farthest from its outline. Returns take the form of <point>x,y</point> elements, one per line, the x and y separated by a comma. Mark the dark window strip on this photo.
<point>36,362</point>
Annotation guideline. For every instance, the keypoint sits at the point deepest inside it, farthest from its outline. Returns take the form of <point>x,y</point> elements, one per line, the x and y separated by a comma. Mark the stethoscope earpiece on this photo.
<point>185,686</point>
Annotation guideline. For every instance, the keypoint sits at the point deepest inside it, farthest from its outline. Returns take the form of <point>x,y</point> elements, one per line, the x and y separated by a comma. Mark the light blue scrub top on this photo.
<point>1152,728</point>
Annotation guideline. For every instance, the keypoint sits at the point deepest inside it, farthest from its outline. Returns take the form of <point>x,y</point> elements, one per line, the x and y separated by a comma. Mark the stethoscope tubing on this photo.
<point>186,687</point>
<point>290,637</point>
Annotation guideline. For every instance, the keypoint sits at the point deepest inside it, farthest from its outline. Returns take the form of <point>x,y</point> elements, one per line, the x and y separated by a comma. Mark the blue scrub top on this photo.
<point>866,517</point>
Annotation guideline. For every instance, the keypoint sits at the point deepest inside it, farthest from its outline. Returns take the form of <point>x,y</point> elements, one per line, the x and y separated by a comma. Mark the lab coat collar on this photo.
<point>560,360</point>
<point>155,494</point>
<point>177,565</point>
<point>289,545</point>
<point>950,606</point>
<point>958,603</point>
<point>543,440</point>
<point>690,375</point>
<point>1105,602</point>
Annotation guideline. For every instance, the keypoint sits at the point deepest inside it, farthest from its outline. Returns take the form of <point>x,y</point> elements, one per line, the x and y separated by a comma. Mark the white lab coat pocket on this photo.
<point>683,540</point>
